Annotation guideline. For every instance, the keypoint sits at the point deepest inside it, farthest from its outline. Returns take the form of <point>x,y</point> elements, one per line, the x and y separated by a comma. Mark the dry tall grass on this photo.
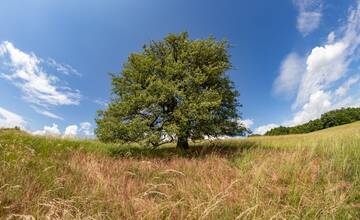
<point>312,176</point>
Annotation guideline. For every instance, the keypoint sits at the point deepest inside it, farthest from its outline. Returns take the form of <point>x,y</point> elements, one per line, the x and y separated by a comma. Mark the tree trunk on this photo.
<point>182,143</point>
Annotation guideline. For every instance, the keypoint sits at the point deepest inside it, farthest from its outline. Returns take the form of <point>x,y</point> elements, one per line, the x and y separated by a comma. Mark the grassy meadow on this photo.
<point>308,176</point>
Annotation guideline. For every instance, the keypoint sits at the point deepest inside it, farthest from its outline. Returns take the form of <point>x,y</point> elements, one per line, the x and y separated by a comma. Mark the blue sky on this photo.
<point>293,59</point>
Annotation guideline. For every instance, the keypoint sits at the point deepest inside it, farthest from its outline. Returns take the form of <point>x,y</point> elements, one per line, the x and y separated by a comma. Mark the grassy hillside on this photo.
<point>327,120</point>
<point>308,176</point>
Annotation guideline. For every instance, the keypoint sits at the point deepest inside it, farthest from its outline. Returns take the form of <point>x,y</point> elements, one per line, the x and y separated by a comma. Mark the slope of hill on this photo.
<point>307,176</point>
<point>327,120</point>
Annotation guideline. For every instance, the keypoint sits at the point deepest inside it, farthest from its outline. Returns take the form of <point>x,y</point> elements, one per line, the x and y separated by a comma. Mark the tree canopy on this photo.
<point>173,90</point>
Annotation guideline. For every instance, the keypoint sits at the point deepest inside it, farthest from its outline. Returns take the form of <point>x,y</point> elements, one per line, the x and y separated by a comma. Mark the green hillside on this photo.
<point>306,176</point>
<point>327,120</point>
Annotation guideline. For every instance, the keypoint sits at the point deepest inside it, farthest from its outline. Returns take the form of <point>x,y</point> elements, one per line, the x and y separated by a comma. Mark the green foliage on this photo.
<point>175,89</point>
<point>327,120</point>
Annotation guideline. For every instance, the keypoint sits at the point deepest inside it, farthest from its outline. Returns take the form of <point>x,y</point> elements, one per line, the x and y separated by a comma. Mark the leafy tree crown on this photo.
<point>174,89</point>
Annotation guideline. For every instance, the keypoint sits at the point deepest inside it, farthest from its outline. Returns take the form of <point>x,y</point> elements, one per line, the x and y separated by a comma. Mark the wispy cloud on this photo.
<point>310,13</point>
<point>344,88</point>
<point>101,102</point>
<point>25,71</point>
<point>62,68</point>
<point>290,75</point>
<point>9,119</point>
<point>46,113</point>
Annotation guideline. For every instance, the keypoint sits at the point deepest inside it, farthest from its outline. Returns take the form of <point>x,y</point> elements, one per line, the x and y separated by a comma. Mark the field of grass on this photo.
<point>309,176</point>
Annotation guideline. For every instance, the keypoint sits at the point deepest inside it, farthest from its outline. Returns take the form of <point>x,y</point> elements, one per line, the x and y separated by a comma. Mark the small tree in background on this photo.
<point>173,90</point>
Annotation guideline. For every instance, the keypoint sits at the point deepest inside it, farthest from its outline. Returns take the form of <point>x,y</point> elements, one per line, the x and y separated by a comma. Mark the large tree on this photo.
<point>173,90</point>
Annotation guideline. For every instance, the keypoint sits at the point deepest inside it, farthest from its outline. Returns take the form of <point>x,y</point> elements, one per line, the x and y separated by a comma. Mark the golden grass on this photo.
<point>311,176</point>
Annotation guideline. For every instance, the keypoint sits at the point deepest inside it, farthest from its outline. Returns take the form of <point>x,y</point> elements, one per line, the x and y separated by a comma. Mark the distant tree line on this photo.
<point>327,120</point>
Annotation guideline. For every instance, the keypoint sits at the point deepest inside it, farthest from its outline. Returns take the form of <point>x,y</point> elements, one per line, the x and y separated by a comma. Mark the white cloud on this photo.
<point>71,131</point>
<point>48,131</point>
<point>290,74</point>
<point>264,128</point>
<point>86,129</point>
<point>83,130</point>
<point>319,103</point>
<point>10,120</point>
<point>310,13</point>
<point>46,113</point>
<point>326,65</point>
<point>247,123</point>
<point>25,71</point>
